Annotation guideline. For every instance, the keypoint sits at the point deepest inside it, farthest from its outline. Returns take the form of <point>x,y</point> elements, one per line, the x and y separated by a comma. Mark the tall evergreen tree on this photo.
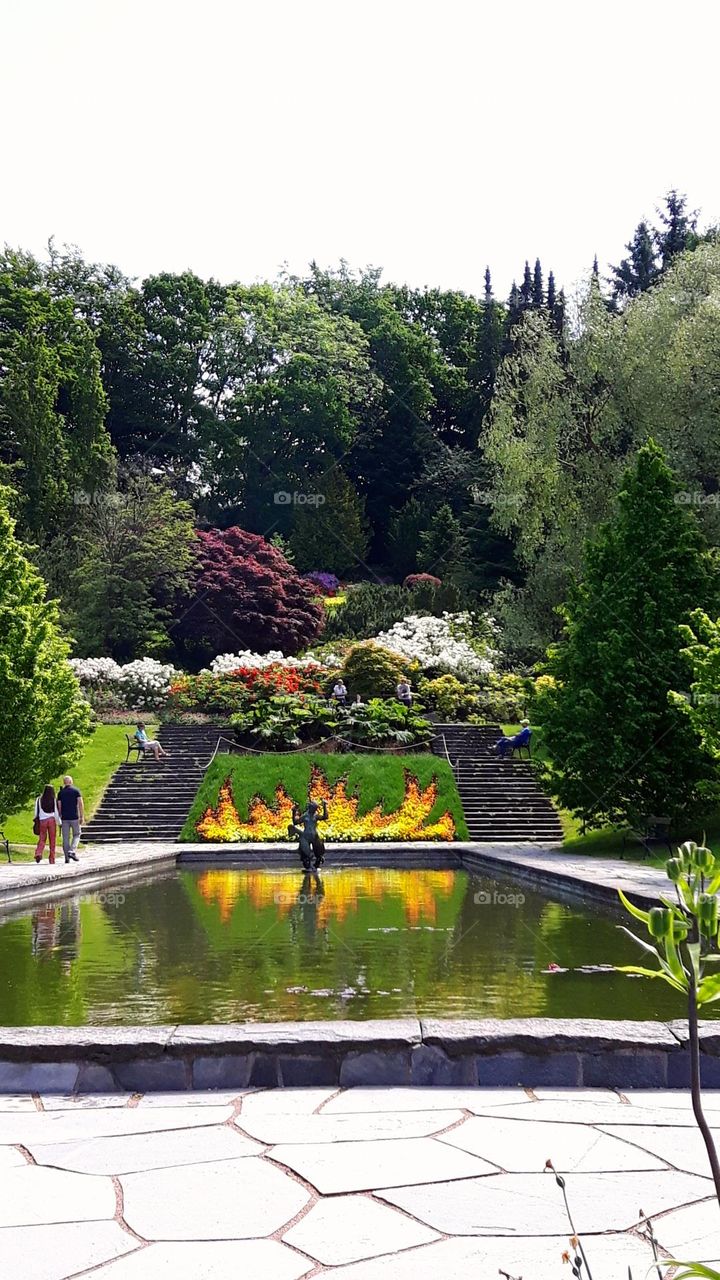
<point>538,293</point>
<point>678,229</point>
<point>551,295</point>
<point>639,270</point>
<point>514,306</point>
<point>442,544</point>
<point>621,751</point>
<point>526,288</point>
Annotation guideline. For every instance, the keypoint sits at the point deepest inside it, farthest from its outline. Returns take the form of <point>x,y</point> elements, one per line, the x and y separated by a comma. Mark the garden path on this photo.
<point>360,1184</point>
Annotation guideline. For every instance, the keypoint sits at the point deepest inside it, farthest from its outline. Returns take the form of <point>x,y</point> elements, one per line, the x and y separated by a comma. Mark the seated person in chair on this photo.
<point>148,745</point>
<point>506,746</point>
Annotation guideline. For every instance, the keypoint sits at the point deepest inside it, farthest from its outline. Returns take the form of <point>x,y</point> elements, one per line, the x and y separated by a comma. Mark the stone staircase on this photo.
<point>149,800</point>
<point>500,797</point>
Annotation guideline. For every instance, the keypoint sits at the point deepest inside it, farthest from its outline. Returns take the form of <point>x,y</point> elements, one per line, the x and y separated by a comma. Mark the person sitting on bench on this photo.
<point>149,746</point>
<point>505,746</point>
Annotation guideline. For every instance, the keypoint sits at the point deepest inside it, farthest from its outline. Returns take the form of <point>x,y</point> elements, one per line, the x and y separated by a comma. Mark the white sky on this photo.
<point>430,138</point>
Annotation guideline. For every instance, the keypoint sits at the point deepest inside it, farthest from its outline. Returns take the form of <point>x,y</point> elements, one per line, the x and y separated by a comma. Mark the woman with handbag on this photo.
<point>45,822</point>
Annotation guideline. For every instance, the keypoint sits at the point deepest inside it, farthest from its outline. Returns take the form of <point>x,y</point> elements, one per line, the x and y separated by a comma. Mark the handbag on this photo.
<point>36,819</point>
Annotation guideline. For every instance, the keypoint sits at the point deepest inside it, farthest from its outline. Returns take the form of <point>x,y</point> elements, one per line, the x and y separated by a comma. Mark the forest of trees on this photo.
<point>368,429</point>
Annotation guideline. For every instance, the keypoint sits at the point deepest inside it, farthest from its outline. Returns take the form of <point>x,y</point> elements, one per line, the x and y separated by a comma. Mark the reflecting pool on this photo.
<point>226,945</point>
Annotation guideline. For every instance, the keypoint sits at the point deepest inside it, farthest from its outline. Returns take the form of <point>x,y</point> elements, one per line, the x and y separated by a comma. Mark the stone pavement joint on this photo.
<point>364,1184</point>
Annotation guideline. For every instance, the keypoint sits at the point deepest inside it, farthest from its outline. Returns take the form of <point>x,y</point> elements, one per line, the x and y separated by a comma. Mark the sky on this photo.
<point>431,139</point>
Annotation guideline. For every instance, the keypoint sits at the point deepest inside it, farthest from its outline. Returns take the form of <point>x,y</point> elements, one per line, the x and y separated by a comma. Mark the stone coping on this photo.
<point>406,1051</point>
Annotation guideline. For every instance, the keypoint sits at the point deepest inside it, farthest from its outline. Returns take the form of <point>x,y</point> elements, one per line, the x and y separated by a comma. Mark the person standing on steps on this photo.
<point>72,815</point>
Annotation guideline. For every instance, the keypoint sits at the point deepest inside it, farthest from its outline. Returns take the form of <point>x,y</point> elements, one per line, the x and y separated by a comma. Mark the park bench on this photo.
<point>522,746</point>
<point>655,830</point>
<point>134,745</point>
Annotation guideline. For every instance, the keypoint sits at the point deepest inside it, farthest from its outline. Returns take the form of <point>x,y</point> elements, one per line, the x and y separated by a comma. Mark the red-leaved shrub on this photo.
<point>247,596</point>
<point>414,580</point>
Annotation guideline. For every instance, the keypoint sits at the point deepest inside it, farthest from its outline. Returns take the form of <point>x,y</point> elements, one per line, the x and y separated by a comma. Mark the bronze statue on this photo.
<point>304,826</point>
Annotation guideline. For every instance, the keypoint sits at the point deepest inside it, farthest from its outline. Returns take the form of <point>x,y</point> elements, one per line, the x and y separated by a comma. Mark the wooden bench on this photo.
<point>656,830</point>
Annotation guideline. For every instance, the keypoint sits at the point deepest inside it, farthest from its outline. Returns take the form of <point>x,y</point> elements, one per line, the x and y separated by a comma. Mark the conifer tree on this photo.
<point>441,545</point>
<point>621,751</point>
<point>526,288</point>
<point>551,295</point>
<point>331,536</point>
<point>678,228</point>
<point>538,294</point>
<point>639,270</point>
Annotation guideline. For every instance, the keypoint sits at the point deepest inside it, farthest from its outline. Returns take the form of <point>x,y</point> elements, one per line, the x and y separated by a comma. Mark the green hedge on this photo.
<point>379,779</point>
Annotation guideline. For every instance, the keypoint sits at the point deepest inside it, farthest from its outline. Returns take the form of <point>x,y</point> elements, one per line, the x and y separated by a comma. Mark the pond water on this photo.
<point>226,945</point>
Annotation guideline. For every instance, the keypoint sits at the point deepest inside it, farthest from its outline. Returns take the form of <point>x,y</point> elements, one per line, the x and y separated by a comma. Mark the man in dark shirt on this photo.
<point>72,815</point>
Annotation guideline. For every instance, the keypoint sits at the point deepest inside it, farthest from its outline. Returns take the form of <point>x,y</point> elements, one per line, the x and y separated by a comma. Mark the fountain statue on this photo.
<point>304,827</point>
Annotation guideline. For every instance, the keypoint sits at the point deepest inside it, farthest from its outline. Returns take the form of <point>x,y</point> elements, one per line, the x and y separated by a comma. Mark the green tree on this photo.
<point>639,270</point>
<point>441,545</point>
<point>538,293</point>
<point>620,751</point>
<point>331,536</point>
<point>45,717</point>
<point>700,700</point>
<point>404,531</point>
<point>677,230</point>
<point>134,549</point>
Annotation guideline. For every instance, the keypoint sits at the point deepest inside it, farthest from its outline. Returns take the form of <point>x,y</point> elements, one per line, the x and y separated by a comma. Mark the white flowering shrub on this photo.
<point>141,685</point>
<point>455,643</point>
<point>228,662</point>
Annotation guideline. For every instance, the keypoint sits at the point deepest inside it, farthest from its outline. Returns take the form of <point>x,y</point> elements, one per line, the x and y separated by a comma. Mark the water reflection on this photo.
<point>357,942</point>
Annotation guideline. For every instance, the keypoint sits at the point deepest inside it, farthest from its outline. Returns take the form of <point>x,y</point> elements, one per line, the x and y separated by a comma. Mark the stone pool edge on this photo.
<point>532,1052</point>
<point>393,1052</point>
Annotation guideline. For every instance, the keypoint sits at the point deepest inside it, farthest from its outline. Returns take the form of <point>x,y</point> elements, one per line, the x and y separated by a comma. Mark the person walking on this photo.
<point>72,816</point>
<point>46,822</point>
<point>404,692</point>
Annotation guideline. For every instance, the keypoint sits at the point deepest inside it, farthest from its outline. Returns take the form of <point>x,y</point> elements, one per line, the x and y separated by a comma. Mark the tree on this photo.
<point>441,545</point>
<point>538,293</point>
<point>620,750</point>
<point>526,288</point>
<point>246,596</point>
<point>678,228</point>
<point>46,720</point>
<point>639,270</point>
<point>134,548</point>
<point>404,531</point>
<point>331,535</point>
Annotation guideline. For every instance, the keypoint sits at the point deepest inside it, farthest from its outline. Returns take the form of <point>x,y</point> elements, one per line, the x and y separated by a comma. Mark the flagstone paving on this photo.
<point>358,1184</point>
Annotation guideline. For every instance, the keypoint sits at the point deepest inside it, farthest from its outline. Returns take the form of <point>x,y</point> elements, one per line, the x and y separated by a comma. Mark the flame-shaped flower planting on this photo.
<point>345,823</point>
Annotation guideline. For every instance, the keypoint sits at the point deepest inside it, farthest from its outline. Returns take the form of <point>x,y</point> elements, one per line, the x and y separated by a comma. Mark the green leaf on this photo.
<point>634,911</point>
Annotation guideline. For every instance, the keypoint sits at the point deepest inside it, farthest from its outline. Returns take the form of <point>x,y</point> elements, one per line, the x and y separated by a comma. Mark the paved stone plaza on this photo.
<point>359,1184</point>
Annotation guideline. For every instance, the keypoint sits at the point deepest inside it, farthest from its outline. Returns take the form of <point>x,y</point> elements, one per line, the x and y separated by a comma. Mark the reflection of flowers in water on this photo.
<point>270,822</point>
<point>343,891</point>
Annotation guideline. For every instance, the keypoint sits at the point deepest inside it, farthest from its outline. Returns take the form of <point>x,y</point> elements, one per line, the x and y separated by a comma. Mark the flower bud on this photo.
<point>687,853</point>
<point>674,868</point>
<point>660,922</point>
<point>707,915</point>
<point>705,861</point>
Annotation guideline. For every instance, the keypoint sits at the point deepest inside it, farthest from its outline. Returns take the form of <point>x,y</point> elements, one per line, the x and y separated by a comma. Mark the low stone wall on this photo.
<point>531,1052</point>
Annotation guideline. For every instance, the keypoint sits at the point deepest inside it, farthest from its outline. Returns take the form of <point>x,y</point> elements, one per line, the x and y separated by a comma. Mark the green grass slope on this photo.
<point>378,779</point>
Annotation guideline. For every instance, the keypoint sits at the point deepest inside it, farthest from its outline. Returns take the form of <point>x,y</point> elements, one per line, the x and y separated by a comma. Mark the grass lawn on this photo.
<point>379,779</point>
<point>104,751</point>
